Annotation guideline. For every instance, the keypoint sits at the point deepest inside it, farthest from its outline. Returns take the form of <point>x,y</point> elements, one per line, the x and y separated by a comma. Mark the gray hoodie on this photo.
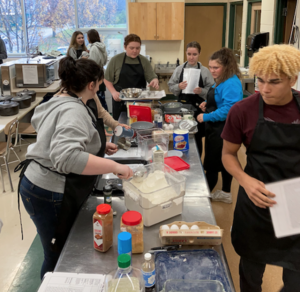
<point>65,138</point>
<point>98,53</point>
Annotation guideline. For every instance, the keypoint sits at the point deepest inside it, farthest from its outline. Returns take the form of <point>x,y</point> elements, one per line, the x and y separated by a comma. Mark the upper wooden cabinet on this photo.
<point>157,21</point>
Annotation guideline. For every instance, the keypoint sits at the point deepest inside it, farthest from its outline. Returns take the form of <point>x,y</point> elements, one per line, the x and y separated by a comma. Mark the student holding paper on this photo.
<point>177,85</point>
<point>268,124</point>
<point>226,91</point>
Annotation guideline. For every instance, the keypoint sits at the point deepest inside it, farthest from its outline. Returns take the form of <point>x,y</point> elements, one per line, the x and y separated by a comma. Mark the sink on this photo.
<point>164,68</point>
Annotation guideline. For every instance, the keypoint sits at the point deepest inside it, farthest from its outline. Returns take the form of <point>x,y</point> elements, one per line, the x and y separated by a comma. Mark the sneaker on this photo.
<point>221,196</point>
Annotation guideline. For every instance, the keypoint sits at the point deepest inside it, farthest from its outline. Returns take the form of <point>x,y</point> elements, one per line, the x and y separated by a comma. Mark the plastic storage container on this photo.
<point>193,286</point>
<point>103,227</point>
<point>204,264</point>
<point>161,204</point>
<point>132,222</point>
<point>125,278</point>
<point>148,139</point>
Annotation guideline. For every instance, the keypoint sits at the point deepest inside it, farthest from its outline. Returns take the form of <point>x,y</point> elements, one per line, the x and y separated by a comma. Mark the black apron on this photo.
<point>195,100</point>
<point>213,140</point>
<point>78,53</point>
<point>77,189</point>
<point>131,76</point>
<point>273,155</point>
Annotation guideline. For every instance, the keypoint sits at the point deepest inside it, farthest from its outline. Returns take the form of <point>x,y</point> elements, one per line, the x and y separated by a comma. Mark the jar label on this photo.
<point>98,234</point>
<point>149,278</point>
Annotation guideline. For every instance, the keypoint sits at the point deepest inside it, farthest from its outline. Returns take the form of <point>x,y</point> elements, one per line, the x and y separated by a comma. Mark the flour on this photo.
<point>156,184</point>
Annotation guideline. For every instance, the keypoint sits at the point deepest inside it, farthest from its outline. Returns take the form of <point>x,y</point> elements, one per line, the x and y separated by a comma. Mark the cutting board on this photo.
<point>143,113</point>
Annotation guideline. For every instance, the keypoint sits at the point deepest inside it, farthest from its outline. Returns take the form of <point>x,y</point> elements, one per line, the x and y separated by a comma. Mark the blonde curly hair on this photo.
<point>276,59</point>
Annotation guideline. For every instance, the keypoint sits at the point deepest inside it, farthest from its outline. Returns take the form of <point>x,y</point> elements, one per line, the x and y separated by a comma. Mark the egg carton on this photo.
<point>190,233</point>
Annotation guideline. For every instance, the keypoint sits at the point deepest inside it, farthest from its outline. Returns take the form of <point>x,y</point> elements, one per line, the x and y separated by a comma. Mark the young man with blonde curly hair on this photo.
<point>268,124</point>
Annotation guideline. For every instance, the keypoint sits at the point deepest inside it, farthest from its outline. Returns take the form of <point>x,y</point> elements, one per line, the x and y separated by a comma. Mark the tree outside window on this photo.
<point>51,23</point>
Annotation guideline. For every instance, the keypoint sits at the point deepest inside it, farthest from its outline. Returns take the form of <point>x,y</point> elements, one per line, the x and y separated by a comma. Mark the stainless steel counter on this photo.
<point>79,256</point>
<point>196,184</point>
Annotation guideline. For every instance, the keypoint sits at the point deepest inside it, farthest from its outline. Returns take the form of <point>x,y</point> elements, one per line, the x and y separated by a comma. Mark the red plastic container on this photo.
<point>143,113</point>
<point>176,163</point>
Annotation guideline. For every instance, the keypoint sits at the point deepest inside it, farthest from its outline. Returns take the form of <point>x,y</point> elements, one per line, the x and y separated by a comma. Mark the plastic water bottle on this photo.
<point>148,271</point>
<point>125,278</point>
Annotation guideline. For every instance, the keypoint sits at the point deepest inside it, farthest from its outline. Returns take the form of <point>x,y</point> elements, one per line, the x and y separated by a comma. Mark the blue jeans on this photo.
<point>43,207</point>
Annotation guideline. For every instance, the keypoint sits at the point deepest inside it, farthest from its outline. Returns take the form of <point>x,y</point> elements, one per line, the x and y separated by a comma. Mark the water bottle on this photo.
<point>125,278</point>
<point>148,271</point>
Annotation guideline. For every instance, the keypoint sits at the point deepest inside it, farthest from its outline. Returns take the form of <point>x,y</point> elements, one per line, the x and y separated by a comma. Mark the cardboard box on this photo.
<point>206,234</point>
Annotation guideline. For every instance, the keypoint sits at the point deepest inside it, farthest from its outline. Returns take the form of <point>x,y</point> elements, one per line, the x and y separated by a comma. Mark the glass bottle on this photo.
<point>107,193</point>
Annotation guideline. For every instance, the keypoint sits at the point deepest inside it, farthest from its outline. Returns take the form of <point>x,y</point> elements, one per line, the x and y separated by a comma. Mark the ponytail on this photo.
<point>76,75</point>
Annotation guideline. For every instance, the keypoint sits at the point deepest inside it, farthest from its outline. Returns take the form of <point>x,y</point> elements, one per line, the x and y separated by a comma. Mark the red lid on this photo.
<point>176,163</point>
<point>132,218</point>
<point>103,209</point>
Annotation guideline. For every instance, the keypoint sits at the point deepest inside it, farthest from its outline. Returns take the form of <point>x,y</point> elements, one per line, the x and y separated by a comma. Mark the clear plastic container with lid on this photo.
<point>125,278</point>
<point>132,222</point>
<point>103,227</point>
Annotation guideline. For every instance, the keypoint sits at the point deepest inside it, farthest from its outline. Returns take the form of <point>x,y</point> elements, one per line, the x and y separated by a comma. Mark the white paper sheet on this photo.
<point>30,74</point>
<point>286,213</point>
<point>192,77</point>
<point>61,282</point>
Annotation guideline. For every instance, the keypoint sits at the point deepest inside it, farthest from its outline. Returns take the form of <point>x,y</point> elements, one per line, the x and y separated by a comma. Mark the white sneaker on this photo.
<point>221,196</point>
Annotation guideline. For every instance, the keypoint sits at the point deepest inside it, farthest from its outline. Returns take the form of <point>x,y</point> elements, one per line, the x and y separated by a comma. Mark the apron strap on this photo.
<point>21,166</point>
<point>261,109</point>
<point>296,95</point>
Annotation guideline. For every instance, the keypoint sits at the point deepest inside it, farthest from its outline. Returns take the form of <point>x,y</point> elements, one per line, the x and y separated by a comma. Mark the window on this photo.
<point>11,26</point>
<point>51,23</point>
<point>101,13</point>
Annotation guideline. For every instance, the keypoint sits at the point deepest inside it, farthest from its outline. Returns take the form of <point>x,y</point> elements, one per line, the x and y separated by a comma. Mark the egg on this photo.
<point>174,227</point>
<point>184,227</point>
<point>164,227</point>
<point>171,127</point>
<point>194,227</point>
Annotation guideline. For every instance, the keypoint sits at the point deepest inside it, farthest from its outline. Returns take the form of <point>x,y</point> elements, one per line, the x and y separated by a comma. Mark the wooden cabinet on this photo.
<point>157,21</point>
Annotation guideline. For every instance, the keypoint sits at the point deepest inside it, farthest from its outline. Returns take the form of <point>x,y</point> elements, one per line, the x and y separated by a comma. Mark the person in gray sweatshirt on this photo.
<point>61,168</point>
<point>77,45</point>
<point>97,52</point>
<point>177,85</point>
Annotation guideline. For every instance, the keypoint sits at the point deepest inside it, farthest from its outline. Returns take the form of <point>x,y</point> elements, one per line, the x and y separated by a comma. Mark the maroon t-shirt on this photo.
<point>243,117</point>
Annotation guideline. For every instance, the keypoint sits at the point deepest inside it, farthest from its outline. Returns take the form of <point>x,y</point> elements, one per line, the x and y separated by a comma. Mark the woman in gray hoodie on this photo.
<point>97,52</point>
<point>61,168</point>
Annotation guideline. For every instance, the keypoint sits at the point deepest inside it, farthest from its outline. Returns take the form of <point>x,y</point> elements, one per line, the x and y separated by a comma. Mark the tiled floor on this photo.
<point>13,249</point>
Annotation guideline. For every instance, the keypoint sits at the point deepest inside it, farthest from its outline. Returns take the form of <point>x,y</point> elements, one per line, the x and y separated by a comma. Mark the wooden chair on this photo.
<point>25,129</point>
<point>11,130</point>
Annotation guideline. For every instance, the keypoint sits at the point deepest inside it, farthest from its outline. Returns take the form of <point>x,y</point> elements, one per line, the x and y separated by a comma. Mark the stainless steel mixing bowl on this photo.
<point>131,92</point>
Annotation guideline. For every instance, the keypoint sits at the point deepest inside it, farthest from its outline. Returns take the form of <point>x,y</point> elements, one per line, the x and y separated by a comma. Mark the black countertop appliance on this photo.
<point>256,41</point>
